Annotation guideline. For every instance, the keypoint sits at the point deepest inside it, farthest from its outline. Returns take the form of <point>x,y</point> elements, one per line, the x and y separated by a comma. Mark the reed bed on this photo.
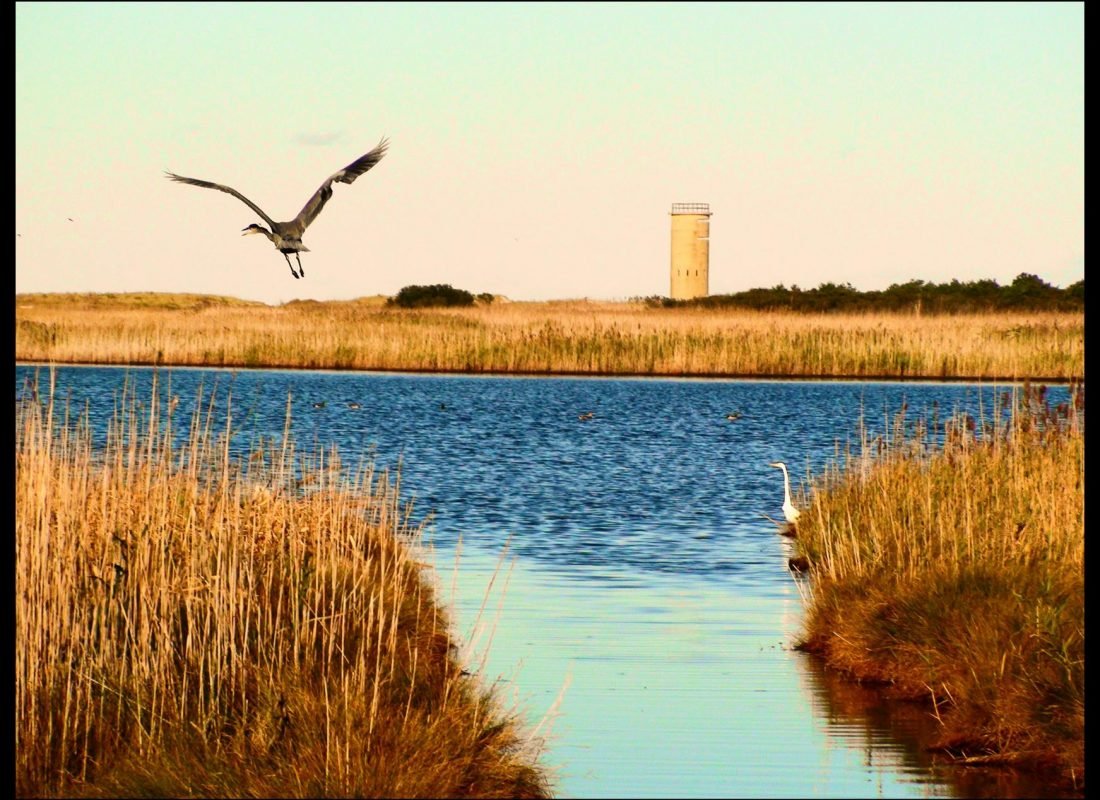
<point>193,624</point>
<point>947,561</point>
<point>576,337</point>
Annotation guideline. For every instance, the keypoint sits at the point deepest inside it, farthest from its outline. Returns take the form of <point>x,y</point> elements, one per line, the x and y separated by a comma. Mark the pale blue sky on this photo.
<point>536,148</point>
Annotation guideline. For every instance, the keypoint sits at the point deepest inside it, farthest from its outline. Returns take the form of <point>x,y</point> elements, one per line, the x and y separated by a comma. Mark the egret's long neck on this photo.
<point>786,486</point>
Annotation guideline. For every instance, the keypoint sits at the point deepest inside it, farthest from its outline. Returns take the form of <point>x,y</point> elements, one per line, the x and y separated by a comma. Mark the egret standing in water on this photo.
<point>287,236</point>
<point>790,513</point>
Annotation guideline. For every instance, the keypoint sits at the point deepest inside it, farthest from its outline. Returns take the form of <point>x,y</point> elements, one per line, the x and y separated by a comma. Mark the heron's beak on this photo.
<point>247,231</point>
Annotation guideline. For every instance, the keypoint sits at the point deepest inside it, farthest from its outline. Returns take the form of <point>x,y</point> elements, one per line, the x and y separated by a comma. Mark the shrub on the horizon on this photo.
<point>1027,292</point>
<point>438,294</point>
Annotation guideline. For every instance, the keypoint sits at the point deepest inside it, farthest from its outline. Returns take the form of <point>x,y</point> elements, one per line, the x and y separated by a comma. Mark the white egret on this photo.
<point>790,513</point>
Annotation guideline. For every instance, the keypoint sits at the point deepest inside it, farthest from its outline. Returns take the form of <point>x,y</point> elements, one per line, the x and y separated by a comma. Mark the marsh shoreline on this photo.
<point>718,376</point>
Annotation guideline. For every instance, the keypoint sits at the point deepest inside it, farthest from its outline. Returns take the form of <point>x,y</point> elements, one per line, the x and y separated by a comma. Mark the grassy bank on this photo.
<point>954,572</point>
<point>578,337</point>
<point>192,624</point>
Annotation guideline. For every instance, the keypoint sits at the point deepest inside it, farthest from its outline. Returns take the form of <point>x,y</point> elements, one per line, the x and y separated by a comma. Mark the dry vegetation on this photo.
<point>192,624</point>
<point>955,573</point>
<point>577,337</point>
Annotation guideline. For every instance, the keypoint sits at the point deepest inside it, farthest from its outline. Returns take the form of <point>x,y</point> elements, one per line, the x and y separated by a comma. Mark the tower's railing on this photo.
<point>691,208</point>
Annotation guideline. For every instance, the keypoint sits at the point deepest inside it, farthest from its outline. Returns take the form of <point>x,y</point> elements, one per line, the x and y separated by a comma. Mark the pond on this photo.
<point>605,548</point>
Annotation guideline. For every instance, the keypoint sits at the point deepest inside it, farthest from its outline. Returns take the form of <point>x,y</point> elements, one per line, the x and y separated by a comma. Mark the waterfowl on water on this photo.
<point>587,415</point>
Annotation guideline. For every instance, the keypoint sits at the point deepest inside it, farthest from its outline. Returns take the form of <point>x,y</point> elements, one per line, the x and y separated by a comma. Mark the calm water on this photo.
<point>643,610</point>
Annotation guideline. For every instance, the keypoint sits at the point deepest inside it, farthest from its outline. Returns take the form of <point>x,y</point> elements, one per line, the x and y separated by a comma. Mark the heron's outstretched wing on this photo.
<point>226,189</point>
<point>347,175</point>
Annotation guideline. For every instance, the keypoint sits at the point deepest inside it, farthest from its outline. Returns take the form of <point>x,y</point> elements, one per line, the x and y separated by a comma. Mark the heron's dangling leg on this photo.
<point>292,272</point>
<point>299,259</point>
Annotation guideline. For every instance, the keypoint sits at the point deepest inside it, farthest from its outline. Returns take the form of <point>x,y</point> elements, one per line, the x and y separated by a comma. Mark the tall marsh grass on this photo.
<point>192,624</point>
<point>948,561</point>
<point>577,337</point>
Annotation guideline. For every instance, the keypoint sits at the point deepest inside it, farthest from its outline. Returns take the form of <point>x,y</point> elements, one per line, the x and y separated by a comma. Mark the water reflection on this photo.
<point>675,688</point>
<point>857,717</point>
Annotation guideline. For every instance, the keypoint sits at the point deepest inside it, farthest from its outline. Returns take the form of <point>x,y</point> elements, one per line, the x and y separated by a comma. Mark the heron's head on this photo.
<point>777,465</point>
<point>254,228</point>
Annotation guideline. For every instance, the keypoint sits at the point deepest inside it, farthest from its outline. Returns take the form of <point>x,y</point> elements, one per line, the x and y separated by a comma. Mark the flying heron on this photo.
<point>287,236</point>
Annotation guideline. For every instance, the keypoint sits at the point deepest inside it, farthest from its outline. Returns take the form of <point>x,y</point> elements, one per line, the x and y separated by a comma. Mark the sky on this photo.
<point>536,149</point>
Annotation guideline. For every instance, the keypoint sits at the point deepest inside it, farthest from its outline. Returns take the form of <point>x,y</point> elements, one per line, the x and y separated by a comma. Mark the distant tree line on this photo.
<point>1027,292</point>
<point>437,294</point>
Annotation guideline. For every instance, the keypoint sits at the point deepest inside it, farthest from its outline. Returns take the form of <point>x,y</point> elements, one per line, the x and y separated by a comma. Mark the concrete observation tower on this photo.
<point>690,270</point>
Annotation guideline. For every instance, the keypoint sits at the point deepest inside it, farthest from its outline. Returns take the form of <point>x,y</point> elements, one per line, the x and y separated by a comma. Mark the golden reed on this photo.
<point>947,560</point>
<point>189,623</point>
<point>578,337</point>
